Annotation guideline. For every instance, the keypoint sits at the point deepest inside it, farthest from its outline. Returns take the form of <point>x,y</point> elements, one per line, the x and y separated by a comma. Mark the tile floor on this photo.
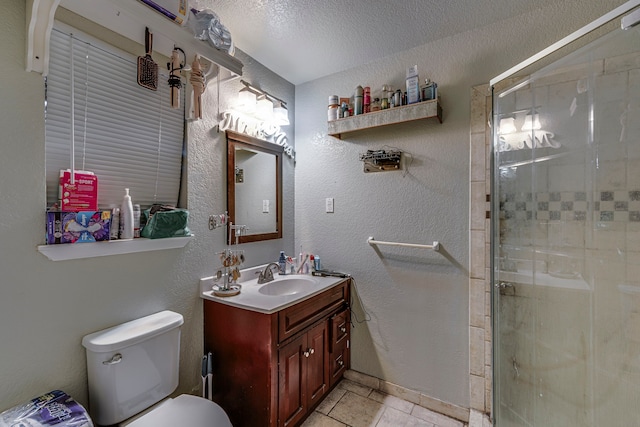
<point>354,405</point>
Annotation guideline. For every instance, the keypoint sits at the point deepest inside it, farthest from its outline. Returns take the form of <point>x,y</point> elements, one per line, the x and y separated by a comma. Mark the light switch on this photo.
<point>329,204</point>
<point>265,206</point>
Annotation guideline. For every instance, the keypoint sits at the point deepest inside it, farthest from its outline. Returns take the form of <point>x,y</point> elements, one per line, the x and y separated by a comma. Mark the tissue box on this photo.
<point>78,227</point>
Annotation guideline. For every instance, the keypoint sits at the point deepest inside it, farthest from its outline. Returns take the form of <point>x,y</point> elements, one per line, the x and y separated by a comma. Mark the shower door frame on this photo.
<point>503,81</point>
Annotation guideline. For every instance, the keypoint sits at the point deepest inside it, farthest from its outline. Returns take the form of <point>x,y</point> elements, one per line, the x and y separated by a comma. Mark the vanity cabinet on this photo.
<point>272,369</point>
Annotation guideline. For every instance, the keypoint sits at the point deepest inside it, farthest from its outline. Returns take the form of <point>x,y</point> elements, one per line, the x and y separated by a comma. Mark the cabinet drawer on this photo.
<point>339,327</point>
<point>297,317</point>
<point>339,362</point>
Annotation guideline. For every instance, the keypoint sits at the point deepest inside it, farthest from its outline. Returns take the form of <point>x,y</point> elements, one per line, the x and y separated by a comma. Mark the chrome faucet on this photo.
<point>266,275</point>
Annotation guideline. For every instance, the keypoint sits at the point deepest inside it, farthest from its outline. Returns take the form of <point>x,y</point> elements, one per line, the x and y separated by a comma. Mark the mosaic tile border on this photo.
<point>616,206</point>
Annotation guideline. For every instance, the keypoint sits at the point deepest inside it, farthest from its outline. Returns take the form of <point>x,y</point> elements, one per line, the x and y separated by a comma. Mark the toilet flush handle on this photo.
<point>117,358</point>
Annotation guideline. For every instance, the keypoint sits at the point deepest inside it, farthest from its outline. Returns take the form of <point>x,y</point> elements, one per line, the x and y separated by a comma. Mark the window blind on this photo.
<point>129,136</point>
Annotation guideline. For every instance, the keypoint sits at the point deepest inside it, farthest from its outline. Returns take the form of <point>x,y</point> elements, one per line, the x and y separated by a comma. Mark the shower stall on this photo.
<point>566,240</point>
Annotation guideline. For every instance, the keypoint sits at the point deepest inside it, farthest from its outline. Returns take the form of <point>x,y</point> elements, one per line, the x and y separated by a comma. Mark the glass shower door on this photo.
<point>566,241</point>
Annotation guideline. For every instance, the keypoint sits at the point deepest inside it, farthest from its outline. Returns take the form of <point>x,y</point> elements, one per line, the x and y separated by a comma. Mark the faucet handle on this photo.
<point>268,274</point>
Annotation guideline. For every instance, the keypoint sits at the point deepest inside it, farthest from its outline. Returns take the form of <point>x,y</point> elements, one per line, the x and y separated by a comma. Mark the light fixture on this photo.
<point>531,122</point>
<point>507,125</point>
<point>266,107</point>
<point>281,114</point>
<point>247,100</point>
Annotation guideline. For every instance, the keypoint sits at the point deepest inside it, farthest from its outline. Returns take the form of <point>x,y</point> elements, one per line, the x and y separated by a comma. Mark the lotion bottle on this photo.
<point>126,216</point>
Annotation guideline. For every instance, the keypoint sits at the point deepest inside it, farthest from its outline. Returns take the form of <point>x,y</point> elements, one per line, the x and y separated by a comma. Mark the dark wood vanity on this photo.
<point>273,369</point>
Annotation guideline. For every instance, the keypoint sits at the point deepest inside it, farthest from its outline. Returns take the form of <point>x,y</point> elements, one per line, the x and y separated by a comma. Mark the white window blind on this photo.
<point>129,136</point>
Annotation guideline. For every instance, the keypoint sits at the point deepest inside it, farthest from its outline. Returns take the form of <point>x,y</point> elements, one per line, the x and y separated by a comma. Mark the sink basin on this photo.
<point>287,286</point>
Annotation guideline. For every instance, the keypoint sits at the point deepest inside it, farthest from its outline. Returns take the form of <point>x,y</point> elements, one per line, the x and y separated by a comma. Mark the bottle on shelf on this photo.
<point>358,102</point>
<point>136,220</point>
<point>367,100</point>
<point>126,216</point>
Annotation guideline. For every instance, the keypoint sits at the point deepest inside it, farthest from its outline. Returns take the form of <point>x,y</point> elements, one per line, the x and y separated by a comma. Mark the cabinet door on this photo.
<point>317,363</point>
<point>292,382</point>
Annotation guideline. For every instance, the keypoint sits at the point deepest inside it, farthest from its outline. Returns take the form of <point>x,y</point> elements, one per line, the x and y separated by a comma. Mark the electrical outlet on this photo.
<point>329,204</point>
<point>265,206</point>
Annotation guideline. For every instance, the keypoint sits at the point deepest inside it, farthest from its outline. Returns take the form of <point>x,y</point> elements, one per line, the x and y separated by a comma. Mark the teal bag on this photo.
<point>165,221</point>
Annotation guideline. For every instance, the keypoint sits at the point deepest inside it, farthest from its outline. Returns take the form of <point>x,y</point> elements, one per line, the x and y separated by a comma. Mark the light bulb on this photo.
<point>247,100</point>
<point>281,115</point>
<point>507,125</point>
<point>265,108</point>
<point>531,123</point>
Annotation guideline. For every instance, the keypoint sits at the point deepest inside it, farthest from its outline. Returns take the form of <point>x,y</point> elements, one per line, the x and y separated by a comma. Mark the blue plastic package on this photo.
<point>55,408</point>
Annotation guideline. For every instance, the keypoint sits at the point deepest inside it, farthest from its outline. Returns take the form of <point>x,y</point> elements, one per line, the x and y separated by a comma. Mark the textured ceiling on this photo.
<point>302,40</point>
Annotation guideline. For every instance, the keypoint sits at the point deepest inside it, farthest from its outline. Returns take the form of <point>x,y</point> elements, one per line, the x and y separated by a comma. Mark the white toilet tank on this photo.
<point>132,366</point>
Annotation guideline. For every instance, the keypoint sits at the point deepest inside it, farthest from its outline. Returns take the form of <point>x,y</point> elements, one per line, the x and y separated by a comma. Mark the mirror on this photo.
<point>254,187</point>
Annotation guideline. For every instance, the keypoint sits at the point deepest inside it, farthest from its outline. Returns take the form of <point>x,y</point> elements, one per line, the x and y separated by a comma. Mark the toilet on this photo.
<point>133,368</point>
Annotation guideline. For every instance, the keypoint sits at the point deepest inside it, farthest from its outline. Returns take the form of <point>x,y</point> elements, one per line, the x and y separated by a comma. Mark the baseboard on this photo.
<point>431,403</point>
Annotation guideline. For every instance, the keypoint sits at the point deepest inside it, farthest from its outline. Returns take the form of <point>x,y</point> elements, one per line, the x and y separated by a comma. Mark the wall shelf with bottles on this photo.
<point>390,116</point>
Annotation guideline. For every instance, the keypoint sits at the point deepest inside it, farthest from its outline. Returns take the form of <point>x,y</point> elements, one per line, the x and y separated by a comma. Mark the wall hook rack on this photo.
<point>381,160</point>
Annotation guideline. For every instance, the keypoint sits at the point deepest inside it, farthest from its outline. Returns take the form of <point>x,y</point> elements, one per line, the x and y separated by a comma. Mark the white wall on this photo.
<point>418,301</point>
<point>47,307</point>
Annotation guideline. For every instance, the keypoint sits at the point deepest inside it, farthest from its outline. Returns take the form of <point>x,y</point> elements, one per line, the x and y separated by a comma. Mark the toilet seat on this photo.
<point>184,410</point>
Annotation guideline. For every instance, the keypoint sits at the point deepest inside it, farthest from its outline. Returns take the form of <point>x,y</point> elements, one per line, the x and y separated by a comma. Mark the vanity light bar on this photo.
<point>261,92</point>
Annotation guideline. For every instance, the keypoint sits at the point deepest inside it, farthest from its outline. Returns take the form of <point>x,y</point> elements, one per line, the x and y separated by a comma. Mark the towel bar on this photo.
<point>435,246</point>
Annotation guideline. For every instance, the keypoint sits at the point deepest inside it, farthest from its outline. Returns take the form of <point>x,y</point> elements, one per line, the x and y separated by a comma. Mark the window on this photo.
<point>129,136</point>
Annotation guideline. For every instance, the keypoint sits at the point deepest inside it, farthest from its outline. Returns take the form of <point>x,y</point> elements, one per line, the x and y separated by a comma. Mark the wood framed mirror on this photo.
<point>254,187</point>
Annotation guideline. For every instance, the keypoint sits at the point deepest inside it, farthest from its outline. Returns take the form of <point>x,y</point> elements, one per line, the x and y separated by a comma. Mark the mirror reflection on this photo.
<point>254,187</point>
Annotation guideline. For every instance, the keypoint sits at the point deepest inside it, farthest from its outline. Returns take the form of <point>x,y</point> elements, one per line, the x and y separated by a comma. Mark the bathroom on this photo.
<point>419,304</point>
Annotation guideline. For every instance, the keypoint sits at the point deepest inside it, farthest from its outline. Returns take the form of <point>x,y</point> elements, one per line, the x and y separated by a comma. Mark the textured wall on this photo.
<point>47,307</point>
<point>418,336</point>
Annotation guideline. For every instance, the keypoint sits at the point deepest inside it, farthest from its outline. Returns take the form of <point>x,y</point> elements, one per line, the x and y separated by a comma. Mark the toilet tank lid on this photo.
<point>133,332</point>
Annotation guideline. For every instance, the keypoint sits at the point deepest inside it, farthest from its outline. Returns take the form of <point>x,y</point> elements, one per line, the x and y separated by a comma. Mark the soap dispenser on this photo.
<point>282,263</point>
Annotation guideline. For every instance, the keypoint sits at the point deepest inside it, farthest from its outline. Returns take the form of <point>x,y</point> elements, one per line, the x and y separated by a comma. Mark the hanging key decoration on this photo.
<point>197,81</point>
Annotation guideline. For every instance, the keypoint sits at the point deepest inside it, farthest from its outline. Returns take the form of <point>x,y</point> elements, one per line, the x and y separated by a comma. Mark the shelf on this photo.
<point>391,116</point>
<point>125,17</point>
<point>69,251</point>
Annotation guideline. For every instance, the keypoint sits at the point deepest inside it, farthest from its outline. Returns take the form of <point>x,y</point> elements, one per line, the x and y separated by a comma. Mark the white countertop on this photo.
<point>250,298</point>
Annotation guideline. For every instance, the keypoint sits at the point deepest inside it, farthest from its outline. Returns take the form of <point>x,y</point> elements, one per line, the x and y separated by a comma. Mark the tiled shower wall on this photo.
<point>480,342</point>
<point>480,377</point>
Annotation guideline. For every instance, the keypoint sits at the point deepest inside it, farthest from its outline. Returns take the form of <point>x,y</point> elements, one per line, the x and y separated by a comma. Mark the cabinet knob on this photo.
<point>340,362</point>
<point>311,351</point>
<point>343,329</point>
<point>306,353</point>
